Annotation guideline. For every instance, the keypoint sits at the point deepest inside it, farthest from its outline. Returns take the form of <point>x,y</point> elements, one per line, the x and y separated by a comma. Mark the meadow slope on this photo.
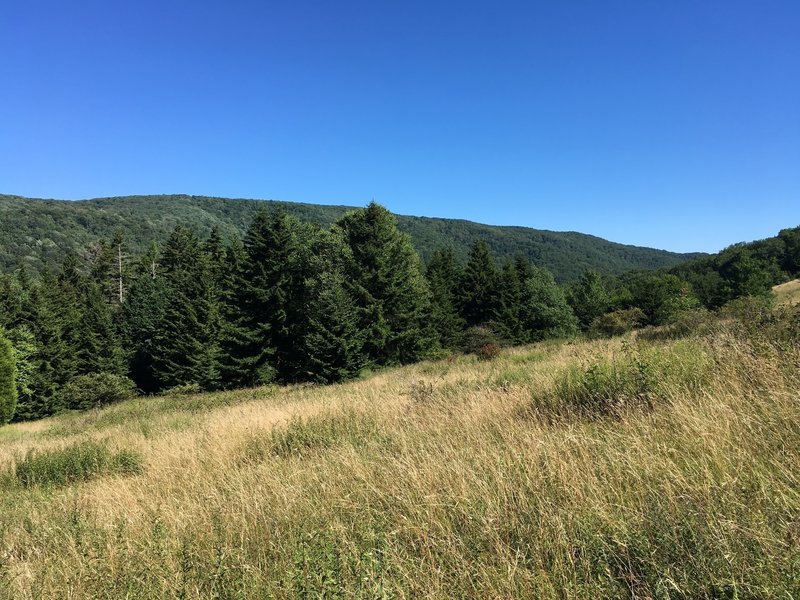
<point>618,468</point>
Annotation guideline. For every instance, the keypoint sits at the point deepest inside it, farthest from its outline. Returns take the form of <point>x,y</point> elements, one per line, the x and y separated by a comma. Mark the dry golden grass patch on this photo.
<point>434,480</point>
<point>788,293</point>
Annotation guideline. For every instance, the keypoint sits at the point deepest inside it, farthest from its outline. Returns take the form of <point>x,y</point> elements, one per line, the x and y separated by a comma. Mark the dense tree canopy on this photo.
<point>295,302</point>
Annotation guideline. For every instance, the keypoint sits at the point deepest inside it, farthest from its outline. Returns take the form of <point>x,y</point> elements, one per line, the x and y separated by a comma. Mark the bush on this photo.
<point>95,390</point>
<point>752,311</point>
<point>80,462</point>
<point>488,352</point>
<point>636,380</point>
<point>186,389</point>
<point>682,324</point>
<point>617,322</point>
<point>474,339</point>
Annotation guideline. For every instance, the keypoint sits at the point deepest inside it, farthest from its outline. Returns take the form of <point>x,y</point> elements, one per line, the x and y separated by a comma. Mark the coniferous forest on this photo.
<point>295,302</point>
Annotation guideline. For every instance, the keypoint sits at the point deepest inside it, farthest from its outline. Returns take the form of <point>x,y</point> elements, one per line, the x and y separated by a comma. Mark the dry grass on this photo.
<point>788,293</point>
<point>443,479</point>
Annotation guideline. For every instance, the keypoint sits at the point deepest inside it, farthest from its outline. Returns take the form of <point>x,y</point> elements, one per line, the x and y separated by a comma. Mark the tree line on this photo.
<point>295,302</point>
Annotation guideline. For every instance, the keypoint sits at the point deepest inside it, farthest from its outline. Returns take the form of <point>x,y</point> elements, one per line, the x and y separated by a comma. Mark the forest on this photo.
<point>296,302</point>
<point>38,232</point>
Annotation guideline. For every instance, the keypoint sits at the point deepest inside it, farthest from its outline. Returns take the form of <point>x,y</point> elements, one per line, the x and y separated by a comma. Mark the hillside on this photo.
<point>788,293</point>
<point>602,469</point>
<point>36,232</point>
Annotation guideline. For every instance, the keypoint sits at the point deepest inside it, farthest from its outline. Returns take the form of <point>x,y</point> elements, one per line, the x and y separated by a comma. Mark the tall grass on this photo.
<point>461,478</point>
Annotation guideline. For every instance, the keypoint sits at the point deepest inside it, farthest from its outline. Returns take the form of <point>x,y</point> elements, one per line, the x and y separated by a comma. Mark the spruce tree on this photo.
<point>184,348</point>
<point>510,300</point>
<point>479,293</point>
<point>143,314</point>
<point>52,361</point>
<point>261,341</point>
<point>443,275</point>
<point>99,349</point>
<point>332,344</point>
<point>389,287</point>
<point>8,383</point>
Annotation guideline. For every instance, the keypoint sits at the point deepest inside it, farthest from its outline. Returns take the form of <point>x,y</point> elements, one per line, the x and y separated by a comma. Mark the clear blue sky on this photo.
<point>673,124</point>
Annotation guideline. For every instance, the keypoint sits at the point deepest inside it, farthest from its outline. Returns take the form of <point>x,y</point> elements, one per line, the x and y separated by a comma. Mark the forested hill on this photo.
<point>36,232</point>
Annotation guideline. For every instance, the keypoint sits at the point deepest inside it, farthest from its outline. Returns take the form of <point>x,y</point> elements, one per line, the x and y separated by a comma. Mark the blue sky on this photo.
<point>668,124</point>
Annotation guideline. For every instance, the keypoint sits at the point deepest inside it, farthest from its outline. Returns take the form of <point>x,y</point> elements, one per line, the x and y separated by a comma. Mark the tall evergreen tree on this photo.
<point>333,344</point>
<point>99,349</point>
<point>389,287</point>
<point>143,314</point>
<point>479,289</point>
<point>183,348</point>
<point>262,340</point>
<point>510,289</point>
<point>53,361</point>
<point>8,381</point>
<point>443,275</point>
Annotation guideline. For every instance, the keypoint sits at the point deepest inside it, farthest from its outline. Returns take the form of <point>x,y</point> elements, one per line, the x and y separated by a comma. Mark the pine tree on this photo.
<point>8,383</point>
<point>52,363</point>
<point>260,337</point>
<point>443,275</point>
<point>332,343</point>
<point>108,261</point>
<point>183,350</point>
<point>389,287</point>
<point>479,293</point>
<point>99,349</point>
<point>510,301</point>
<point>143,314</point>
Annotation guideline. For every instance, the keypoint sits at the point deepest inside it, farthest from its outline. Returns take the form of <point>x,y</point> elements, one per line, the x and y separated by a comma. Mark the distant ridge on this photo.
<point>37,232</point>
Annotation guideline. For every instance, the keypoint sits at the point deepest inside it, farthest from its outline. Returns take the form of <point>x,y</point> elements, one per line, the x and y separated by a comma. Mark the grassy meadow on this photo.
<point>788,293</point>
<point>632,468</point>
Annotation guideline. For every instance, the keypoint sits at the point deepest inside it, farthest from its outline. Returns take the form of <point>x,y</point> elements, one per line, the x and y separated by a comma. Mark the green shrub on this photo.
<point>617,322</point>
<point>476,338</point>
<point>681,324</point>
<point>488,352</point>
<point>637,379</point>
<point>186,389</point>
<point>79,462</point>
<point>752,311</point>
<point>95,390</point>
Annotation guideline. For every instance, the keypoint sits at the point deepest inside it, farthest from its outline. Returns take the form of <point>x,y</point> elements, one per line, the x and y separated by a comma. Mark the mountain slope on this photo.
<point>37,232</point>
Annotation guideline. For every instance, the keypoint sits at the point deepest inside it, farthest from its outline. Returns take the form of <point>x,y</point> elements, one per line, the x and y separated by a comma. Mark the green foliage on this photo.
<point>389,287</point>
<point>479,289</point>
<point>636,379</point>
<point>184,348</point>
<point>617,322</point>
<point>544,311</point>
<point>333,343</point>
<point>8,380</point>
<point>752,311</point>
<point>473,339</point>
<point>95,390</point>
<point>443,274</point>
<point>658,294</point>
<point>40,232</point>
<point>589,298</point>
<point>81,461</point>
